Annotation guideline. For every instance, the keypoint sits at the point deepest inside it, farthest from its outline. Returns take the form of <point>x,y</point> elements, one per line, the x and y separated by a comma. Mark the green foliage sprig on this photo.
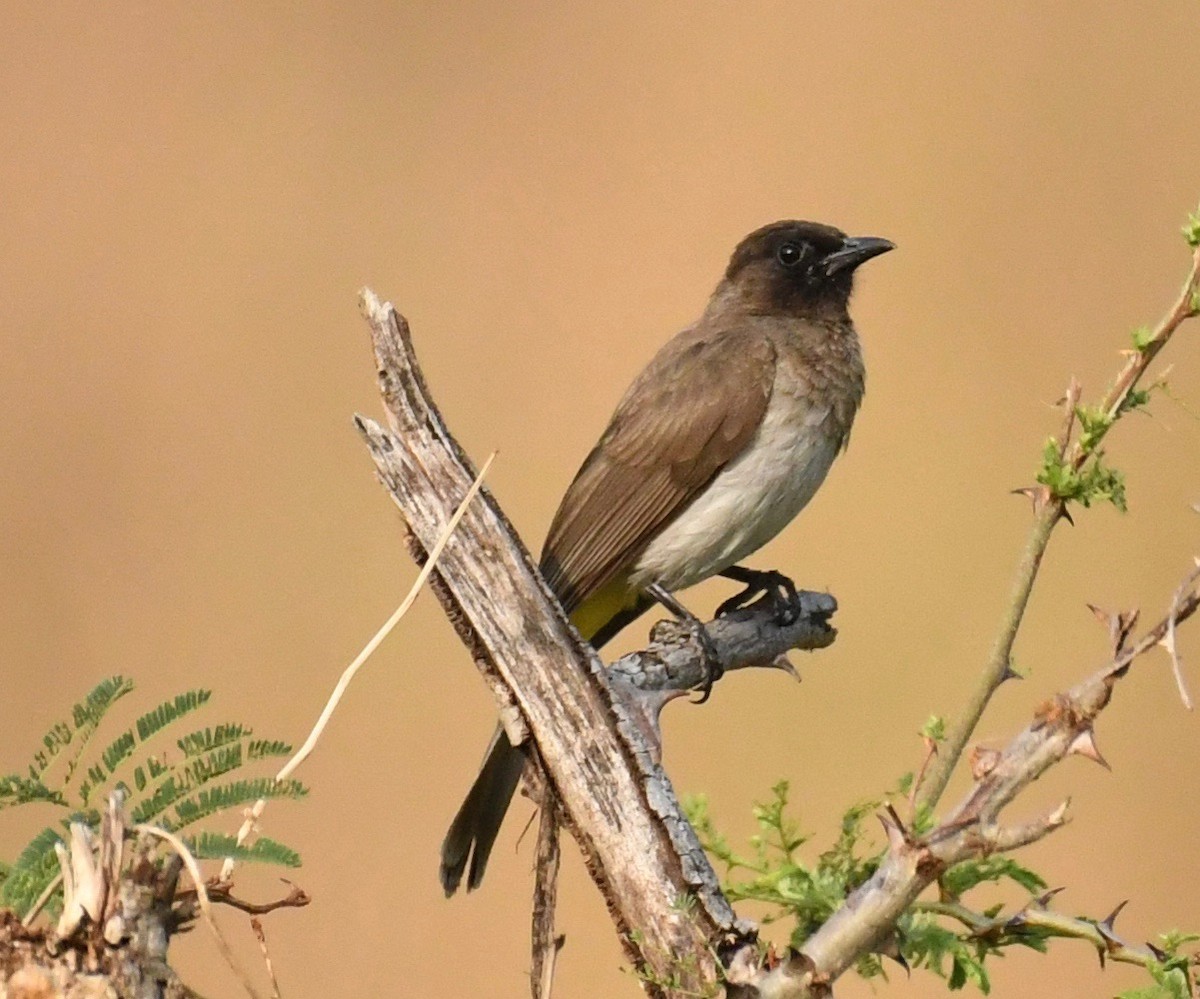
<point>173,787</point>
<point>947,936</point>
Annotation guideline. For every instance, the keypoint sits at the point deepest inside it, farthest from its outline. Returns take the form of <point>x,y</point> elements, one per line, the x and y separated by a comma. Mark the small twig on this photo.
<point>193,869</point>
<point>254,813</point>
<point>931,751</point>
<point>222,892</point>
<point>257,926</point>
<point>1049,510</point>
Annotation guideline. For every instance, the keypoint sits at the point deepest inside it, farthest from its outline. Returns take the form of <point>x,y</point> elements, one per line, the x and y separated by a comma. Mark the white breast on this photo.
<point>751,499</point>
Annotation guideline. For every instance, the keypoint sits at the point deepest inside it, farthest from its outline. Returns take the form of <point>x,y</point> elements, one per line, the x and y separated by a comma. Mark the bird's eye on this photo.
<point>789,254</point>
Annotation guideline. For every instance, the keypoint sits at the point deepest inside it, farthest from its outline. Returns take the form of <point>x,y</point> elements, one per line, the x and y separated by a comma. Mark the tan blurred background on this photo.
<point>192,195</point>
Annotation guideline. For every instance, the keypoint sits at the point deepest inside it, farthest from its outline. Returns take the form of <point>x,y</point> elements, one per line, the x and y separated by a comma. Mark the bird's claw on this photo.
<point>785,599</point>
<point>713,670</point>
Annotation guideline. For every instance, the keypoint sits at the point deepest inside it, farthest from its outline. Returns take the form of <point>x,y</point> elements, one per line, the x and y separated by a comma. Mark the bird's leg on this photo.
<point>712,662</point>
<point>780,587</point>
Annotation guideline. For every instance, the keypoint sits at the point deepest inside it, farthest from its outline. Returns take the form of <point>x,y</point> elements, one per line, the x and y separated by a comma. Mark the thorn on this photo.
<point>1058,817</point>
<point>1120,625</point>
<point>1107,924</point>
<point>1009,673</point>
<point>983,761</point>
<point>1065,514</point>
<point>1037,495</point>
<point>1159,954</point>
<point>897,836</point>
<point>1084,744</point>
<point>1042,900</point>
<point>783,663</point>
<point>889,946</point>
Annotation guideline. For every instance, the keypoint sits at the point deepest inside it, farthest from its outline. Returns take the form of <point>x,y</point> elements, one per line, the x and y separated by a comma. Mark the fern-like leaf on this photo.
<point>155,721</point>
<point>146,727</point>
<point>260,749</point>
<point>85,718</point>
<point>217,846</point>
<point>34,869</point>
<point>208,739</point>
<point>18,790</point>
<point>217,799</point>
<point>187,779</point>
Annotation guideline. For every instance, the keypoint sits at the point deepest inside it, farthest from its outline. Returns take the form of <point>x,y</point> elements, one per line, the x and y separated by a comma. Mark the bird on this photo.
<point>717,444</point>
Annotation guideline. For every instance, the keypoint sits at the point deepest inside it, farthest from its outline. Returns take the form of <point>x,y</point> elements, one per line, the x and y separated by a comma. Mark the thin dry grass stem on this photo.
<point>1049,509</point>
<point>42,899</point>
<point>193,869</point>
<point>253,814</point>
<point>257,926</point>
<point>1169,643</point>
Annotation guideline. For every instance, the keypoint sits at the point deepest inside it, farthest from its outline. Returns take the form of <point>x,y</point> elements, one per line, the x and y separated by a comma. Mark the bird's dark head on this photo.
<point>798,267</point>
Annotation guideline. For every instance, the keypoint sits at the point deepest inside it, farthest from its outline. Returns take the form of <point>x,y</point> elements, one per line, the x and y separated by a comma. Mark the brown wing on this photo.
<point>692,410</point>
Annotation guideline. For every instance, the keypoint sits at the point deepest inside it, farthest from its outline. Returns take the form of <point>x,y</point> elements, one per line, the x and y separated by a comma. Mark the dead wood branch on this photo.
<point>616,800</point>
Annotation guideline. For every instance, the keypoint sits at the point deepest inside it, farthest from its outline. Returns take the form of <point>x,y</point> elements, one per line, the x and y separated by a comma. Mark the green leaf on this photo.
<point>86,716</point>
<point>1172,940</point>
<point>1094,482</point>
<point>1142,337</point>
<point>1191,229</point>
<point>961,878</point>
<point>218,846</point>
<point>261,749</point>
<point>33,870</point>
<point>146,727</point>
<point>217,799</point>
<point>1136,399</point>
<point>208,739</point>
<point>18,790</point>
<point>155,721</point>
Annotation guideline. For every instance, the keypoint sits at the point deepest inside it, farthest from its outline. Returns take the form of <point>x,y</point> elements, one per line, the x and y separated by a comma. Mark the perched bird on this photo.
<point>719,442</point>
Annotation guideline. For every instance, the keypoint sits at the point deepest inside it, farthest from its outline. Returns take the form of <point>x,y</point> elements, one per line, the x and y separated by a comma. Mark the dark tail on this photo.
<point>474,829</point>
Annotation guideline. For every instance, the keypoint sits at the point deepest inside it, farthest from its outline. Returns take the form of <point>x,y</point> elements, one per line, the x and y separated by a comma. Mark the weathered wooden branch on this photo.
<point>590,738</point>
<point>595,733</point>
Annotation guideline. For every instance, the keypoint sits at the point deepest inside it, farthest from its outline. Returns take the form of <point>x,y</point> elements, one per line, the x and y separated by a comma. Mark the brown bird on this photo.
<point>719,442</point>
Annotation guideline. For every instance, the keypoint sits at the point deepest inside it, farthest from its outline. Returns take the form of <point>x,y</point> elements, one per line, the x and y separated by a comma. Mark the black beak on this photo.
<point>855,250</point>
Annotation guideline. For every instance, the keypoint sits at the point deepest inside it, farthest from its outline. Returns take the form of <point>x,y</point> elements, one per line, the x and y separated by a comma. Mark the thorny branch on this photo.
<point>1036,918</point>
<point>1049,510</point>
<point>1061,727</point>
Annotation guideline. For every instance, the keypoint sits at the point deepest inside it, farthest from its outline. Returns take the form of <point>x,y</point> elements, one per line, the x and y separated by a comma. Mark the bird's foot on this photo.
<point>782,591</point>
<point>710,661</point>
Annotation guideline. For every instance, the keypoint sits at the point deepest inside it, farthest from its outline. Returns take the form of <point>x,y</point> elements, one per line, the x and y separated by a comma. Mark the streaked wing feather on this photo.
<point>692,410</point>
